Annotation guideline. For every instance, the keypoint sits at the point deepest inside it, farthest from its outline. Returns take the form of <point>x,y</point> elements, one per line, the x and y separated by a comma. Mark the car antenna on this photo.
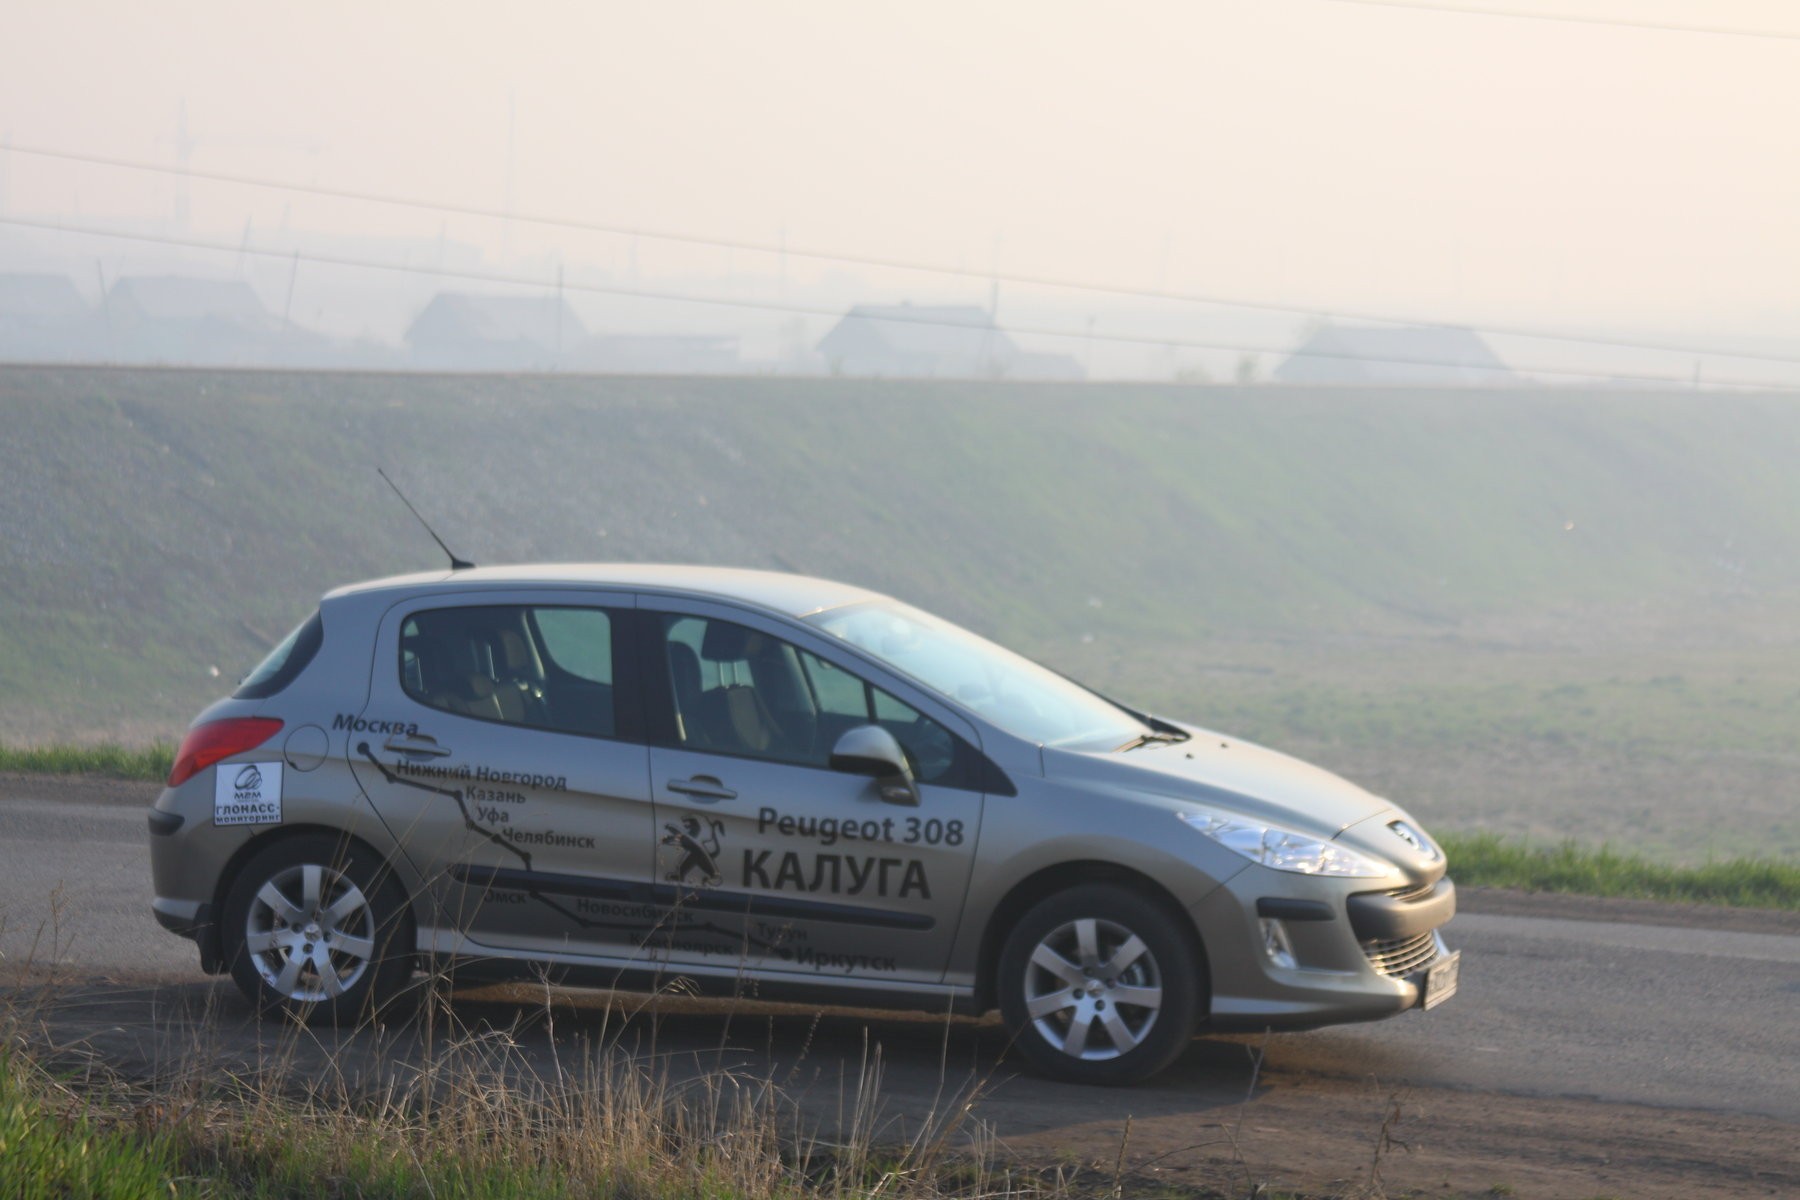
<point>456,564</point>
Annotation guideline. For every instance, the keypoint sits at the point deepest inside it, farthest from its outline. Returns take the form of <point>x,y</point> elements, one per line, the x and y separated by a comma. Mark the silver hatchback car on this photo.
<point>766,783</point>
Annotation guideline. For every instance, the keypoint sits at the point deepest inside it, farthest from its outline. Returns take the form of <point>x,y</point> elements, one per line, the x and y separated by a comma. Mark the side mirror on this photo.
<point>871,750</point>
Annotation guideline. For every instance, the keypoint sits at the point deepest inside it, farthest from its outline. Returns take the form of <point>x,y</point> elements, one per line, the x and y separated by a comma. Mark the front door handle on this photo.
<point>702,787</point>
<point>401,743</point>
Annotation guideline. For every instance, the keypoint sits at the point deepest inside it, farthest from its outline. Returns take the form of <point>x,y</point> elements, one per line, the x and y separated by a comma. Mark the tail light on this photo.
<point>206,744</point>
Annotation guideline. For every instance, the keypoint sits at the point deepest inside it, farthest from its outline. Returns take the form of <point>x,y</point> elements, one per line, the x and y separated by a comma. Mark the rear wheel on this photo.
<point>318,927</point>
<point>1099,985</point>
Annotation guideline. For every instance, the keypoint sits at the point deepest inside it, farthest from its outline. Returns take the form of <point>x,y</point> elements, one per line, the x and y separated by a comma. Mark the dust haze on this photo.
<point>1409,388</point>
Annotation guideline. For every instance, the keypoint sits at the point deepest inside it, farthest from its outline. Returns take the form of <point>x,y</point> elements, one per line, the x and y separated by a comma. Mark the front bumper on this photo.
<point>1357,955</point>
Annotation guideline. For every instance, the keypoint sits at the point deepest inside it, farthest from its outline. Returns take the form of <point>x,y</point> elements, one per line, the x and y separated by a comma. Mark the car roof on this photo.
<point>795,595</point>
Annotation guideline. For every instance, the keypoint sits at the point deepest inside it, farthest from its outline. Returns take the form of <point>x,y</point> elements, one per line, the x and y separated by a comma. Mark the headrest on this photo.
<point>430,658</point>
<point>725,642</point>
<point>512,649</point>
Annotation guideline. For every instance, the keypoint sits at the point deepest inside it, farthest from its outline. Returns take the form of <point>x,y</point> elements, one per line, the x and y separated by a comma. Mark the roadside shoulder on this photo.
<point>1509,903</point>
<point>78,789</point>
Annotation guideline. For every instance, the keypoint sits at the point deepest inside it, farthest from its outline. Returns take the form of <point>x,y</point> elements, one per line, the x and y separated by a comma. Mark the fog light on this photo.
<point>1276,944</point>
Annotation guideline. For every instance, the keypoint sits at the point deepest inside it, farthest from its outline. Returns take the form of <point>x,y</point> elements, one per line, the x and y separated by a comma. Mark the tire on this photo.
<point>317,927</point>
<point>1101,985</point>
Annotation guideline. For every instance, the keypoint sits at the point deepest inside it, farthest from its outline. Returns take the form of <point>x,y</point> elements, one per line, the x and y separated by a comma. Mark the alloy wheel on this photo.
<point>310,933</point>
<point>1093,989</point>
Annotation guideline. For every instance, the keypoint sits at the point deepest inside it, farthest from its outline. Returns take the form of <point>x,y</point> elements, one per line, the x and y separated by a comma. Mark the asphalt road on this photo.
<point>1581,1036</point>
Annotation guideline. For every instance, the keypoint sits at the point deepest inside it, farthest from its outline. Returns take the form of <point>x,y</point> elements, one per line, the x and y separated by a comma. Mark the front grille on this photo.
<point>1406,894</point>
<point>1402,956</point>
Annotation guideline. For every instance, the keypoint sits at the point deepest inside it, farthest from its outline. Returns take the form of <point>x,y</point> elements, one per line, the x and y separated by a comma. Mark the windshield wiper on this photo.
<point>1149,736</point>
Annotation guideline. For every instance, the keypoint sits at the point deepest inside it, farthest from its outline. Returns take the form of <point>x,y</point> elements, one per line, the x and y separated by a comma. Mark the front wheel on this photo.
<point>318,927</point>
<point>1099,985</point>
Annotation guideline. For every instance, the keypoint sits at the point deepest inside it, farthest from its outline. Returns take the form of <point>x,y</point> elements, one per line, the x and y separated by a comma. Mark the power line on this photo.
<point>1573,19</point>
<point>868,260</point>
<point>502,277</point>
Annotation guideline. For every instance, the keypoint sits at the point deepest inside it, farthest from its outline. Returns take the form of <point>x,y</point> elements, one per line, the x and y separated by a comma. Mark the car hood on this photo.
<point>1213,768</point>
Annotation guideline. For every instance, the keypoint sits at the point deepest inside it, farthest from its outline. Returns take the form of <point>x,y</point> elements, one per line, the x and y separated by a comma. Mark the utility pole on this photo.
<point>288,307</point>
<point>106,310</point>
<point>184,151</point>
<point>991,335</point>
<point>511,161</point>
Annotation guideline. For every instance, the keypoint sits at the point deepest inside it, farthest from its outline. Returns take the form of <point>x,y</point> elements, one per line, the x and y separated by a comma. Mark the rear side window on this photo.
<point>285,661</point>
<point>544,667</point>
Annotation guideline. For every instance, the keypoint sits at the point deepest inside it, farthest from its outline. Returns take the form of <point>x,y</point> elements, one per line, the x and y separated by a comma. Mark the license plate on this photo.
<point>1440,981</point>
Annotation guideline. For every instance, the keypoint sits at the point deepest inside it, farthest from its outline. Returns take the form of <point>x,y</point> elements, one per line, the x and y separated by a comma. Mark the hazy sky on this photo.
<point>1305,151</point>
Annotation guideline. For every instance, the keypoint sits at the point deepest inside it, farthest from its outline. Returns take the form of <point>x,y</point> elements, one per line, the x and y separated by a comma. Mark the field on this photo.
<point>1544,613</point>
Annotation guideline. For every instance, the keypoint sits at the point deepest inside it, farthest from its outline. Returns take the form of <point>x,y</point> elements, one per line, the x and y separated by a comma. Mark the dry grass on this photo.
<point>457,1109</point>
<point>436,1105</point>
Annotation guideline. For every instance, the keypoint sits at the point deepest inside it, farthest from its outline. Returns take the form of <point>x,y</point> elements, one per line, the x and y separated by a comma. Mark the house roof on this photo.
<point>1422,354</point>
<point>40,297</point>
<point>180,298</point>
<point>952,333</point>
<point>546,321</point>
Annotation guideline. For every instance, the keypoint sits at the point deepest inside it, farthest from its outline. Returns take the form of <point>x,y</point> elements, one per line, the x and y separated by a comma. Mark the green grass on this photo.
<point>56,1145</point>
<point>148,763</point>
<point>53,1148</point>
<point>1487,860</point>
<point>156,548</point>
<point>60,1142</point>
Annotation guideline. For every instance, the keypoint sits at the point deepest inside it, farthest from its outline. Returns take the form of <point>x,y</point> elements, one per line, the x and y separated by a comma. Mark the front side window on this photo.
<point>540,666</point>
<point>1018,695</point>
<point>737,690</point>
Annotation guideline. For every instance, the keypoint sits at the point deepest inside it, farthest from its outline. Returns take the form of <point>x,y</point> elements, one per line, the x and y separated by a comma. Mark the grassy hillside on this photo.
<point>1340,569</point>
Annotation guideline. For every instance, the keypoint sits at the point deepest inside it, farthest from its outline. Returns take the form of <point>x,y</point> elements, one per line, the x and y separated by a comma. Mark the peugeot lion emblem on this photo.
<point>1413,838</point>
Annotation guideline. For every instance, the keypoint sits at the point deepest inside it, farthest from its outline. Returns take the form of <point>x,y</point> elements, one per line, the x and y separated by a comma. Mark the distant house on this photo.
<point>918,341</point>
<point>44,319</point>
<point>1419,356</point>
<point>464,331</point>
<point>177,319</point>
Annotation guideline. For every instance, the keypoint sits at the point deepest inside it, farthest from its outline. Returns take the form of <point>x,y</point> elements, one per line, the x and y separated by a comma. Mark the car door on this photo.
<point>502,746</point>
<point>770,860</point>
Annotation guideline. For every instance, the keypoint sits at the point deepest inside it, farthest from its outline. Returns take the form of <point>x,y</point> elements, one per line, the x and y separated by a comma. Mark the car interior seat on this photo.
<point>733,714</point>
<point>784,696</point>
<point>684,678</point>
<point>518,679</point>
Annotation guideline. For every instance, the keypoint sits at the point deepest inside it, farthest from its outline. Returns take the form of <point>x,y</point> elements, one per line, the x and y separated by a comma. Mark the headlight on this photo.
<point>1283,849</point>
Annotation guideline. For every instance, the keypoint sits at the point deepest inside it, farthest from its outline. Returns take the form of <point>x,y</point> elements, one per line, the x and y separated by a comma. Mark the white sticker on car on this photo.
<point>247,794</point>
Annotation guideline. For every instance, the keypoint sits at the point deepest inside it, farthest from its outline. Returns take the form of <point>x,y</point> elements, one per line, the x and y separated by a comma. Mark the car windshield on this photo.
<point>1013,692</point>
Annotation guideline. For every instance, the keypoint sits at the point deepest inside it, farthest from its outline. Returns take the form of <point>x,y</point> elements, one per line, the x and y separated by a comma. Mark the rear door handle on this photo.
<point>418,744</point>
<point>702,787</point>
